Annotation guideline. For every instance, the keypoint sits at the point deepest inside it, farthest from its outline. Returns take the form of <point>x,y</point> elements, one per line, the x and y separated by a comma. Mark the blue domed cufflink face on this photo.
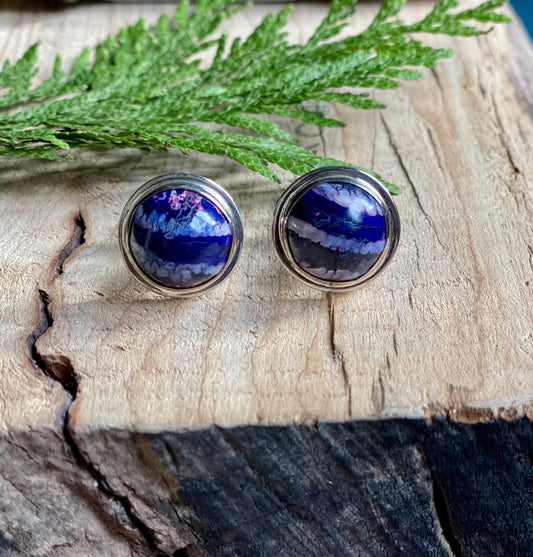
<point>336,228</point>
<point>180,234</point>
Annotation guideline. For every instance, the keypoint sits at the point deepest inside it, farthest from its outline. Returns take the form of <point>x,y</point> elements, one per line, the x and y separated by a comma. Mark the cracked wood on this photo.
<point>455,305</point>
<point>111,395</point>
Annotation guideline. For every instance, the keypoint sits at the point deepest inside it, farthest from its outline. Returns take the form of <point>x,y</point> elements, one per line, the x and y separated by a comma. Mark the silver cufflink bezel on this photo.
<point>207,188</point>
<point>352,176</point>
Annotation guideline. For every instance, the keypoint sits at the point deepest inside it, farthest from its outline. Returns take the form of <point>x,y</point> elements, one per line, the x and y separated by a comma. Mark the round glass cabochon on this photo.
<point>336,231</point>
<point>180,238</point>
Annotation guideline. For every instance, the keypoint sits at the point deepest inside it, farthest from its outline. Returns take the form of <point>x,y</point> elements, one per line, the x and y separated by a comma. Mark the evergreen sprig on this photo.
<point>145,88</point>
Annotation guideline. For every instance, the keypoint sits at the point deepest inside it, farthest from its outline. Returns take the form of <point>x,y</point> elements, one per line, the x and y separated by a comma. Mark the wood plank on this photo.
<point>50,506</point>
<point>365,488</point>
<point>126,410</point>
<point>451,306</point>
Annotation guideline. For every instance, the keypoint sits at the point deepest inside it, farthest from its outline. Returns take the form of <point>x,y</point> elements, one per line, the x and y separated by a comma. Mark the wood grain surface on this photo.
<point>115,401</point>
<point>446,328</point>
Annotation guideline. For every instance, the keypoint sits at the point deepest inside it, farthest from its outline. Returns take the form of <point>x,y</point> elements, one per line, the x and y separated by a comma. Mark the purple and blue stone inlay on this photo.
<point>180,238</point>
<point>336,231</point>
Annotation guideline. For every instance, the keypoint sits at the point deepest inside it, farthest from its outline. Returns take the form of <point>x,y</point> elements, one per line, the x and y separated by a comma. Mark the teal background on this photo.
<point>524,8</point>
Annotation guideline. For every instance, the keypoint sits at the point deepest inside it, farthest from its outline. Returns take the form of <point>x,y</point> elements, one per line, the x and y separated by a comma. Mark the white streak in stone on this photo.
<point>179,273</point>
<point>173,228</point>
<point>309,232</point>
<point>337,275</point>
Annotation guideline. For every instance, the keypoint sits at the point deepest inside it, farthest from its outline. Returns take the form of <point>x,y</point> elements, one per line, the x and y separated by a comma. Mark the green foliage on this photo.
<point>144,87</point>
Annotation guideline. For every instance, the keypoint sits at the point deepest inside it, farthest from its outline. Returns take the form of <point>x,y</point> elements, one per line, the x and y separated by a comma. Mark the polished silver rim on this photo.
<point>352,176</point>
<point>198,184</point>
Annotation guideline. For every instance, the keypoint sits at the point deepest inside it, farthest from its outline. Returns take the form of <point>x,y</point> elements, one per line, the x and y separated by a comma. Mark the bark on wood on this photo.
<point>136,425</point>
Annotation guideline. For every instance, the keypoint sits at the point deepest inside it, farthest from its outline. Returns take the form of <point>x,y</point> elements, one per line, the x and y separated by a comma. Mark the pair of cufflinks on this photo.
<point>335,228</point>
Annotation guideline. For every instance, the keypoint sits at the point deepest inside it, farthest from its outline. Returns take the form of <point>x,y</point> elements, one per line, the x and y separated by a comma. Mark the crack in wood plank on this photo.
<point>411,182</point>
<point>61,370</point>
<point>438,81</point>
<point>442,508</point>
<point>503,137</point>
<point>336,352</point>
<point>77,239</point>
